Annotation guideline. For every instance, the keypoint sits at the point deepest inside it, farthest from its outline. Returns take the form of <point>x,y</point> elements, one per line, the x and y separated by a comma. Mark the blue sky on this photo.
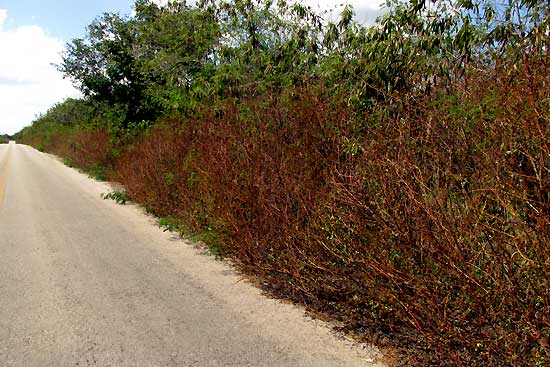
<point>64,19</point>
<point>33,34</point>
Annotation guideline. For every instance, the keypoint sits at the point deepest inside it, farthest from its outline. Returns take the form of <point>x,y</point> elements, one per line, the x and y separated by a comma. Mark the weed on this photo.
<point>171,224</point>
<point>68,162</point>
<point>121,197</point>
<point>98,172</point>
<point>213,240</point>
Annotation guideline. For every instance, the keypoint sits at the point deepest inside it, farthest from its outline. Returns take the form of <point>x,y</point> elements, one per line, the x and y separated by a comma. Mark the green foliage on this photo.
<point>266,46</point>
<point>121,197</point>
<point>210,237</point>
<point>170,59</point>
<point>171,224</point>
<point>175,45</point>
<point>213,239</point>
<point>104,67</point>
<point>68,162</point>
<point>174,59</point>
<point>62,118</point>
<point>98,172</point>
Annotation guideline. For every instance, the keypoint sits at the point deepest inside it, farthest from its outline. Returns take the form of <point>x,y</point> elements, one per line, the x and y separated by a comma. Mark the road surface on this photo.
<point>87,282</point>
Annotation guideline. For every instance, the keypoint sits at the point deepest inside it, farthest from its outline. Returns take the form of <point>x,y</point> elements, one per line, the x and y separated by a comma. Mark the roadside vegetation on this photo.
<point>4,139</point>
<point>394,178</point>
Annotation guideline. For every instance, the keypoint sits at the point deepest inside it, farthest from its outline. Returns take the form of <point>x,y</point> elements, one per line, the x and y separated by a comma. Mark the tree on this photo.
<point>104,67</point>
<point>175,50</point>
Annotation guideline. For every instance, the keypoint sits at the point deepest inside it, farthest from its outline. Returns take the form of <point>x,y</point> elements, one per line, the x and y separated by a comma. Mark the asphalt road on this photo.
<point>87,282</point>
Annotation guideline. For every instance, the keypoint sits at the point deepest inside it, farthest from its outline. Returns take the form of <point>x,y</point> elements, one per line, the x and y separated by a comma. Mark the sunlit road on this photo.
<point>87,282</point>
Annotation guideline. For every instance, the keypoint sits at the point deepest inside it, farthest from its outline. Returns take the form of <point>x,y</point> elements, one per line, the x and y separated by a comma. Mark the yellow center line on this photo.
<point>4,176</point>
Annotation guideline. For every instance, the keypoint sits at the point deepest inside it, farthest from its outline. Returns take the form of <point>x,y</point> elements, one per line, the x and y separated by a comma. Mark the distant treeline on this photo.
<point>394,178</point>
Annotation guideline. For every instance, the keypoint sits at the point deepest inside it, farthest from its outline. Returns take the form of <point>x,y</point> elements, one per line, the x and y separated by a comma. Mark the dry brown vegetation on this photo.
<point>421,222</point>
<point>430,226</point>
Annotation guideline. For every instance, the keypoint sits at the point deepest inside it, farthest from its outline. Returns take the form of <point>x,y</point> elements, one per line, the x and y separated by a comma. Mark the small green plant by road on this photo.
<point>121,197</point>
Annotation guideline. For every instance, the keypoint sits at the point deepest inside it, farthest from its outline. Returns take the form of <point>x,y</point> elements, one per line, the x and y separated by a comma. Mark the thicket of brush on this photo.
<point>4,139</point>
<point>395,178</point>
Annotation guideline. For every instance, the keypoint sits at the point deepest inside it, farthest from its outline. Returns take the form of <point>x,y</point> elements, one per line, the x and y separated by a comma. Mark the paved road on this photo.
<point>86,282</point>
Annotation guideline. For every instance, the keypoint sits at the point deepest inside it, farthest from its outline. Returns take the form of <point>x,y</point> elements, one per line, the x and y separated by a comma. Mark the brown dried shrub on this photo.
<point>429,225</point>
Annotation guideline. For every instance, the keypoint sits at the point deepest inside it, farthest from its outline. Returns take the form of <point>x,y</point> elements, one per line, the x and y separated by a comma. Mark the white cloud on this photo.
<point>29,83</point>
<point>366,11</point>
<point>371,4</point>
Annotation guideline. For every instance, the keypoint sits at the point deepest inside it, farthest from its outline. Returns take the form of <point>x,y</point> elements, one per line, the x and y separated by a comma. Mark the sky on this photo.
<point>33,34</point>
